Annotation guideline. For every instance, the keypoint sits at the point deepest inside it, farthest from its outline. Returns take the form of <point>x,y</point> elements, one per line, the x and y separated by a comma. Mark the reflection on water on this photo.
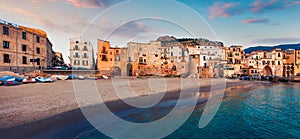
<point>271,111</point>
<point>268,112</point>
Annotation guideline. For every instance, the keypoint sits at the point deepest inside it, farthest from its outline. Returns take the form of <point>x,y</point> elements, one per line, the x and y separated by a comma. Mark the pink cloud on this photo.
<point>84,3</point>
<point>262,6</point>
<point>224,10</point>
<point>256,20</point>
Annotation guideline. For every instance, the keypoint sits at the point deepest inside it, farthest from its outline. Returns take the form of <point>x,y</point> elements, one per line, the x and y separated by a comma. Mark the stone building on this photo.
<point>81,54</point>
<point>234,56</point>
<point>22,48</point>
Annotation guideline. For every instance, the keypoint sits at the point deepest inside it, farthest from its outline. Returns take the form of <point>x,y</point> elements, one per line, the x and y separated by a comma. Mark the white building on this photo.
<point>209,53</point>
<point>81,53</point>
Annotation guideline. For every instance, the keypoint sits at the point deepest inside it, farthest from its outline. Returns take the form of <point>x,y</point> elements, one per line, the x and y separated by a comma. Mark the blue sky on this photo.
<point>247,23</point>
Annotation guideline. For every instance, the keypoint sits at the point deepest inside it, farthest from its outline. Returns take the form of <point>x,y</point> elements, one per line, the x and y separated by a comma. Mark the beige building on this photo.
<point>234,56</point>
<point>22,48</point>
<point>81,54</point>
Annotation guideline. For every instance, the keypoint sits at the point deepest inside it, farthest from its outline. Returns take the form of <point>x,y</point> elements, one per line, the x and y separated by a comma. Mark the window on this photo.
<point>76,55</point>
<point>6,44</point>
<point>117,58</point>
<point>85,48</point>
<point>171,53</point>
<point>24,35</point>
<point>76,62</point>
<point>77,41</point>
<point>85,42</point>
<point>5,30</point>
<point>38,50</point>
<point>76,47</point>
<point>37,39</point>
<point>278,62</point>
<point>24,60</point>
<point>85,63</point>
<point>279,55</point>
<point>85,55</point>
<point>24,48</point>
<point>6,58</point>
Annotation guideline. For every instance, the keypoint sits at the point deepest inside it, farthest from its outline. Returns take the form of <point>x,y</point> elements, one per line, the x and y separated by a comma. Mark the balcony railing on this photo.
<point>76,56</point>
<point>104,52</point>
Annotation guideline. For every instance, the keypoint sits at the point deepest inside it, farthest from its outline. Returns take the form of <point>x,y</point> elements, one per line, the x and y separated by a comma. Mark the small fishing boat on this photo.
<point>80,77</point>
<point>60,77</point>
<point>5,78</point>
<point>29,80</point>
<point>71,76</point>
<point>11,82</point>
<point>297,78</point>
<point>92,78</point>
<point>43,80</point>
<point>104,77</point>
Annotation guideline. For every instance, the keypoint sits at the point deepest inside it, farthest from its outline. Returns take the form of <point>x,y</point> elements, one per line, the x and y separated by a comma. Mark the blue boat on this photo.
<point>6,78</point>
<point>43,80</point>
<point>11,83</point>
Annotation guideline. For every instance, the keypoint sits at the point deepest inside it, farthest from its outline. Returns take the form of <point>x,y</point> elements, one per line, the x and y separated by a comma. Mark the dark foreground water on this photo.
<point>271,111</point>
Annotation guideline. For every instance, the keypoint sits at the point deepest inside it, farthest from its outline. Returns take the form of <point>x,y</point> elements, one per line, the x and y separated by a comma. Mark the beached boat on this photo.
<point>11,82</point>
<point>60,77</point>
<point>11,78</point>
<point>29,80</point>
<point>297,78</point>
<point>72,76</point>
<point>92,78</point>
<point>43,80</point>
<point>80,77</point>
<point>104,77</point>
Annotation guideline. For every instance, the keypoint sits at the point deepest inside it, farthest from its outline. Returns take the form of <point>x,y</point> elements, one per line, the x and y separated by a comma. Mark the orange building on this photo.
<point>109,59</point>
<point>22,48</point>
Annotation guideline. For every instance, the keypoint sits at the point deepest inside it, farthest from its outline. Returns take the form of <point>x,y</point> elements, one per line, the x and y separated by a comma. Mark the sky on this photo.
<point>247,23</point>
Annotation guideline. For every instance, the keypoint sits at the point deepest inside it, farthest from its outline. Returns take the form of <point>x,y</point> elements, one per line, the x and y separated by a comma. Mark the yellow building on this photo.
<point>234,56</point>
<point>22,48</point>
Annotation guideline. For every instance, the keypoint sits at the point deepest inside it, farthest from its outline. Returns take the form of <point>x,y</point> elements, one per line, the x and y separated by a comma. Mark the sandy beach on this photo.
<point>36,107</point>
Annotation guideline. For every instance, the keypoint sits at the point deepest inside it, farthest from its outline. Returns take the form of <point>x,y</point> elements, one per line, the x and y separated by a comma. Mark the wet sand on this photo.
<point>32,109</point>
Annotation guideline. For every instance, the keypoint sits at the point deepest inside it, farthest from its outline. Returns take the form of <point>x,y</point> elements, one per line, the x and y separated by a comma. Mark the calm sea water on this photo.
<point>271,111</point>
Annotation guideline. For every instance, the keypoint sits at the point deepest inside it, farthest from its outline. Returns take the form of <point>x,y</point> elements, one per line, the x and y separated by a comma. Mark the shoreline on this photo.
<point>70,117</point>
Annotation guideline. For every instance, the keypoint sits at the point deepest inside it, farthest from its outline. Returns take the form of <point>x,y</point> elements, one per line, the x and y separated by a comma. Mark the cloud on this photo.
<point>221,9</point>
<point>17,11</point>
<point>256,20</point>
<point>260,6</point>
<point>84,3</point>
<point>130,30</point>
<point>278,40</point>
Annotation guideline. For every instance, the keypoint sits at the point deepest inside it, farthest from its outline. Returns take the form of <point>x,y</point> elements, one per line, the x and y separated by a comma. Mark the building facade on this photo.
<point>81,54</point>
<point>22,48</point>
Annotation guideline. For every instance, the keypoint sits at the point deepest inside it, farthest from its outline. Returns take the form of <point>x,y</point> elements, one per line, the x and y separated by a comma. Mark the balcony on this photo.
<point>85,49</point>
<point>76,56</point>
<point>75,48</point>
<point>85,57</point>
